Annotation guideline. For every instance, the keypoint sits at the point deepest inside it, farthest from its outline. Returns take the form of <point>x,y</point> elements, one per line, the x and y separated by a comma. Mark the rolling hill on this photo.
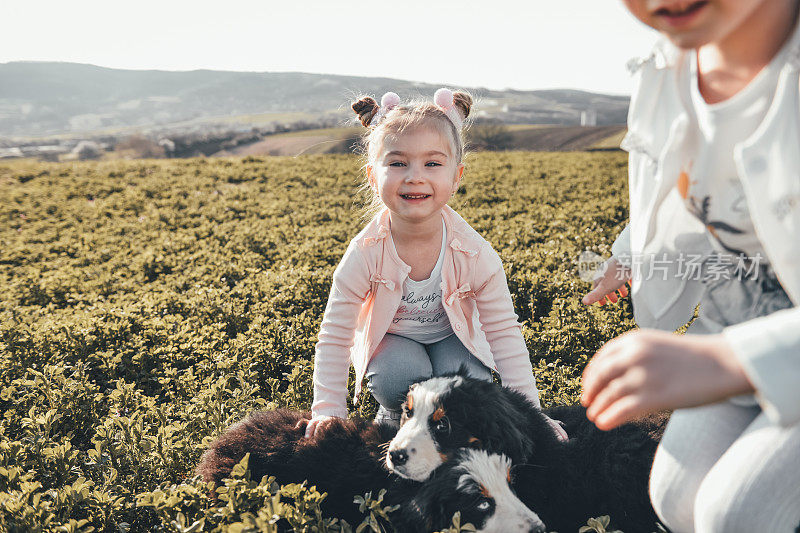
<point>522,137</point>
<point>45,99</point>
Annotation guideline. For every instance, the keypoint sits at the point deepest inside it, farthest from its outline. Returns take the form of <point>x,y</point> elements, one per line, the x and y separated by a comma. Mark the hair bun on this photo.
<point>366,108</point>
<point>463,101</point>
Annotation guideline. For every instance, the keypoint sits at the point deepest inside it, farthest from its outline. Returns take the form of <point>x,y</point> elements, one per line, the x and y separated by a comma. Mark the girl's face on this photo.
<point>415,174</point>
<point>695,23</point>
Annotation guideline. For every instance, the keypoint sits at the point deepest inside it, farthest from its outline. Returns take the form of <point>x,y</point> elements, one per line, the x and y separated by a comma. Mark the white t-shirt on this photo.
<point>421,315</point>
<point>714,192</point>
<point>740,284</point>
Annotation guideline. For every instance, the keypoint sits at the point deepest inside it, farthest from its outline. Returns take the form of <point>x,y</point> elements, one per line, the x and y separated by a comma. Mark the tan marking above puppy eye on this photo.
<point>508,475</point>
<point>438,414</point>
<point>410,402</point>
<point>474,442</point>
<point>485,492</point>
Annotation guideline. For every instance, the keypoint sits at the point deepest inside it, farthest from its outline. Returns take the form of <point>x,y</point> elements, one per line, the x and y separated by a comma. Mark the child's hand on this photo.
<point>645,371</point>
<point>613,279</point>
<point>316,423</point>
<point>561,433</point>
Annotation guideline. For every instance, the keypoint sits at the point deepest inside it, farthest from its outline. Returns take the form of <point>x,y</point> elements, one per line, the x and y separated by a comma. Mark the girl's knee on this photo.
<point>474,369</point>
<point>733,501</point>
<point>671,497</point>
<point>397,364</point>
<point>708,519</point>
<point>390,388</point>
<point>450,355</point>
<point>714,510</point>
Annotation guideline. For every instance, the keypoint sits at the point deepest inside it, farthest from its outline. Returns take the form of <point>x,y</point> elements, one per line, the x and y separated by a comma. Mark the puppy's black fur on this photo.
<point>345,459</point>
<point>595,473</point>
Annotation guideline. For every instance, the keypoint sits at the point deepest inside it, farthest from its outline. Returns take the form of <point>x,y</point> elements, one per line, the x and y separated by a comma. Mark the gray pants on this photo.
<point>726,468</point>
<point>399,362</point>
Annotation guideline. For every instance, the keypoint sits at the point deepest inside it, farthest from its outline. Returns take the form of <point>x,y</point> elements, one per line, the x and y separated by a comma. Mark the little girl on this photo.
<point>418,293</point>
<point>714,142</point>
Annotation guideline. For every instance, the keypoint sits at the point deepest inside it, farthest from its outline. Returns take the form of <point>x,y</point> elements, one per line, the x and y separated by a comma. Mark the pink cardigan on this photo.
<point>365,295</point>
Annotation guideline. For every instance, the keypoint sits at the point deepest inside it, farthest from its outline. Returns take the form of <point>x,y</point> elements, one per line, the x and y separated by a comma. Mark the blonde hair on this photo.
<point>402,118</point>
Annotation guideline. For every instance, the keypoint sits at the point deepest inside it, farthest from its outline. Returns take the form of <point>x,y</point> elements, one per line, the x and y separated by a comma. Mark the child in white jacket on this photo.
<point>714,142</point>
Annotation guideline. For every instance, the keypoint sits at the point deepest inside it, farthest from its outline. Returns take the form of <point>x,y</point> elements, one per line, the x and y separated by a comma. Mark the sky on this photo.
<point>498,44</point>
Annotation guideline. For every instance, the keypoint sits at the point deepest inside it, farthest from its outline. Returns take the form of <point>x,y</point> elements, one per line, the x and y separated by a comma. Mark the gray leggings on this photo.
<point>399,362</point>
<point>726,468</point>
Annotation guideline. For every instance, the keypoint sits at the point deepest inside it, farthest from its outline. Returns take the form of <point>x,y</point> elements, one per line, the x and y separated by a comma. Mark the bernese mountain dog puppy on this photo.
<point>474,483</point>
<point>594,473</point>
<point>346,459</point>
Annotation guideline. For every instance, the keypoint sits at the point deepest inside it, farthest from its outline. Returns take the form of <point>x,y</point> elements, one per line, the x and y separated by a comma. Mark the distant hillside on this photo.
<point>523,137</point>
<point>40,99</point>
<point>566,138</point>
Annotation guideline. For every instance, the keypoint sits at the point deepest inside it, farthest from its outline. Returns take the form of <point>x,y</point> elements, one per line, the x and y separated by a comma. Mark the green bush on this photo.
<point>147,305</point>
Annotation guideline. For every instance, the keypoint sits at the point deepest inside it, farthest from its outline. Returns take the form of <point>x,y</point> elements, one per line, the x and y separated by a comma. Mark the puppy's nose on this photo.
<point>538,528</point>
<point>399,457</point>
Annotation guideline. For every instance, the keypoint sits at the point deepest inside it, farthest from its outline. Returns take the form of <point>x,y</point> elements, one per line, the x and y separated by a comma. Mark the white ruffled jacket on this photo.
<point>660,135</point>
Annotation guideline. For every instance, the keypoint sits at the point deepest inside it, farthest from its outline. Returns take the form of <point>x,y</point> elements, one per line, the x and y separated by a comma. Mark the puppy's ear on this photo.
<point>499,424</point>
<point>513,443</point>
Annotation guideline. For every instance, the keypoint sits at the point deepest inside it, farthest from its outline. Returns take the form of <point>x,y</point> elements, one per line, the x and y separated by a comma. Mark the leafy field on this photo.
<point>145,306</point>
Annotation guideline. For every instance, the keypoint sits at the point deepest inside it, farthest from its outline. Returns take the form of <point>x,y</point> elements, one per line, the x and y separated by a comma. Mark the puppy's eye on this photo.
<point>409,412</point>
<point>442,425</point>
<point>484,505</point>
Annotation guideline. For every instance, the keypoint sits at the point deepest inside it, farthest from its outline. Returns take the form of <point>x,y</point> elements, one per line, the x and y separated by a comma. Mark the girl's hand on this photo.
<point>561,433</point>
<point>613,279</point>
<point>645,371</point>
<point>316,423</point>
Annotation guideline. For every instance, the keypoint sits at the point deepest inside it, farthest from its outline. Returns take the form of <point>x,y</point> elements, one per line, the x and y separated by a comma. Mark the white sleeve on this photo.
<point>336,335</point>
<point>621,249</point>
<point>769,350</point>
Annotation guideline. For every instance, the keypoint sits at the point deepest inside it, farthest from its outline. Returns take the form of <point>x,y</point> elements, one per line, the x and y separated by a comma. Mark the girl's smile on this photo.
<point>681,14</point>
<point>415,198</point>
<point>696,23</point>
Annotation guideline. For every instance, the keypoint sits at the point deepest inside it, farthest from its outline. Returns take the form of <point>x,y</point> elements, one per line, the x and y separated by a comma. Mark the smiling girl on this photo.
<point>418,293</point>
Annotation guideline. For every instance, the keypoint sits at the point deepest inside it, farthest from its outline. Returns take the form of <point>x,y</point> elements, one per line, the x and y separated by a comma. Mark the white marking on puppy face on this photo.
<point>414,448</point>
<point>491,473</point>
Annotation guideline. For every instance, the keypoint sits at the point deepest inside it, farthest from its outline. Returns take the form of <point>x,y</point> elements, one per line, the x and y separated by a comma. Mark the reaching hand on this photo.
<point>645,371</point>
<point>614,278</point>
<point>316,423</point>
<point>559,430</point>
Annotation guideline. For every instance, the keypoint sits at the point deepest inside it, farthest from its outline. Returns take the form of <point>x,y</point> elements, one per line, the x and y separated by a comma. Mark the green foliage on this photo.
<point>456,526</point>
<point>148,305</point>
<point>598,525</point>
